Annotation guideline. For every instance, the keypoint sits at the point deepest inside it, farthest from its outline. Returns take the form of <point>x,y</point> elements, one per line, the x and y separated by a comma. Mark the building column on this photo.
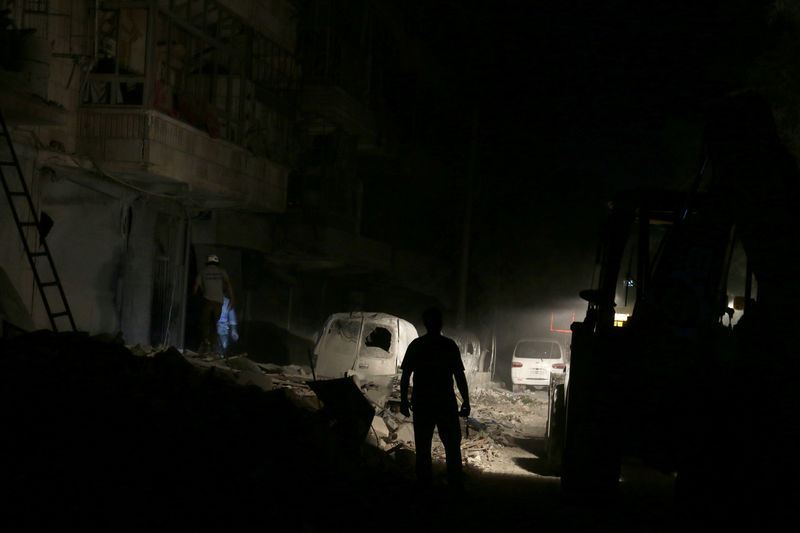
<point>137,286</point>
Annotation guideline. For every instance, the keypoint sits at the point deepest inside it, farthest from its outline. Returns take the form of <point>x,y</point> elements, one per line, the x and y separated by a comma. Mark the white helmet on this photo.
<point>212,258</point>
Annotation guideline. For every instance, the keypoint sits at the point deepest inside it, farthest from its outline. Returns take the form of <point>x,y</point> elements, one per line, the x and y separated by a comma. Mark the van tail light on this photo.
<point>516,365</point>
<point>560,366</point>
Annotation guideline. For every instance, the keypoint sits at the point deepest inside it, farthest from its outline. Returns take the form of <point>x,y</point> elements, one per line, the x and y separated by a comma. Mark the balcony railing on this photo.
<point>199,63</point>
<point>141,144</point>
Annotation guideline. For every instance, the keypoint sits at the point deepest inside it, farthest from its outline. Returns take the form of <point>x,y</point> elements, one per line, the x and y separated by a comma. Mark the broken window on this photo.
<point>379,337</point>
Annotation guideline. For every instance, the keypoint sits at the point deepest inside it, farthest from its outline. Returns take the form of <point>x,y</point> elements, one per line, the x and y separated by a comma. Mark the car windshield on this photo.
<point>341,336</point>
<point>538,350</point>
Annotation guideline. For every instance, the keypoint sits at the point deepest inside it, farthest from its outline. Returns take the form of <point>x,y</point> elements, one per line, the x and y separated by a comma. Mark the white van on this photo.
<point>362,344</point>
<point>533,361</point>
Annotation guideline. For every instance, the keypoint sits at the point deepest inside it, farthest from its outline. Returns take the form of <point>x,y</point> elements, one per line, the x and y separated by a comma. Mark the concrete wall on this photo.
<point>136,294</point>
<point>88,249</point>
<point>103,245</point>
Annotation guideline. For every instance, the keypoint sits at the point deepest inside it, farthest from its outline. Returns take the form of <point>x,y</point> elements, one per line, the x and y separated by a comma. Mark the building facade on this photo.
<point>154,132</point>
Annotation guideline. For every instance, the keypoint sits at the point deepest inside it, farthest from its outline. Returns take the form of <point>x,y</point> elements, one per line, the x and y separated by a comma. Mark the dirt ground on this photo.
<point>522,418</point>
<point>509,485</point>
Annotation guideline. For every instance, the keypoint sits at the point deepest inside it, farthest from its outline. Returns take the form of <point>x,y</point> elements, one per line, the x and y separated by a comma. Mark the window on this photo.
<point>210,69</point>
<point>117,76</point>
<point>538,350</point>
<point>379,337</point>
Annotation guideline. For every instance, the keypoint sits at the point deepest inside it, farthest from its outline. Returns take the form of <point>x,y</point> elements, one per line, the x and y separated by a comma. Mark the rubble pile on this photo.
<point>97,433</point>
<point>96,430</point>
<point>498,416</point>
<point>512,413</point>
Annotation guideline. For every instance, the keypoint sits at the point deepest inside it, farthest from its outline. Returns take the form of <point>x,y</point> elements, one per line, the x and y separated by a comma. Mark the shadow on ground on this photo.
<point>536,465</point>
<point>498,502</point>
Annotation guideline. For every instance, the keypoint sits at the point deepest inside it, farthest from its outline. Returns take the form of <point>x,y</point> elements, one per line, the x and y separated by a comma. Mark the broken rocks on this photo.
<point>248,377</point>
<point>106,434</point>
<point>379,427</point>
<point>392,423</point>
<point>405,432</point>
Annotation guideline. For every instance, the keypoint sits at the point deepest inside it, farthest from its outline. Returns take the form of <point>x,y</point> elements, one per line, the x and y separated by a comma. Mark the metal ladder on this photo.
<point>25,217</point>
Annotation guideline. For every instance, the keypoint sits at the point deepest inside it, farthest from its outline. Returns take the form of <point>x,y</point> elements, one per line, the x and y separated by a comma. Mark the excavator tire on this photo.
<point>556,421</point>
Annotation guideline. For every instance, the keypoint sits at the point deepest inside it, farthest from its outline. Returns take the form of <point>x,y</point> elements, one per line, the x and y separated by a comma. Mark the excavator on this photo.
<point>660,374</point>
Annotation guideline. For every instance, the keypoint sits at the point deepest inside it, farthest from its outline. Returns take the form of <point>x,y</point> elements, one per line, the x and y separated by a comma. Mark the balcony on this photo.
<point>151,149</point>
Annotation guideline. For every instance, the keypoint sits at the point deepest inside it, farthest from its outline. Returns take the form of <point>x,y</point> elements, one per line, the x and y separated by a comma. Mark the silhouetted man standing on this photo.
<point>434,360</point>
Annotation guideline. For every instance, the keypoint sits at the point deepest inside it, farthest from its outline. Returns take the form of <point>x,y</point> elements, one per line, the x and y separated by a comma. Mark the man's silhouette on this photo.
<point>434,360</point>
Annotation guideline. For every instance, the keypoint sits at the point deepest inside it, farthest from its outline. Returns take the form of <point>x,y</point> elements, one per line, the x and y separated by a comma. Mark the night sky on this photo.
<point>575,100</point>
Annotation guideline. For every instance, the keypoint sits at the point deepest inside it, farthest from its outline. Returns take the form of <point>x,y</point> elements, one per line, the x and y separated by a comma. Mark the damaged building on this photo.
<point>152,133</point>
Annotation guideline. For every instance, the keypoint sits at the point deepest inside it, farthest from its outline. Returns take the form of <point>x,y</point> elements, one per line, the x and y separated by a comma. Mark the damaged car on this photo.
<point>364,344</point>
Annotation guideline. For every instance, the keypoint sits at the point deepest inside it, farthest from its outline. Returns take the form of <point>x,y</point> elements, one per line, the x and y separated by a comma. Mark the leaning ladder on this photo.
<point>25,217</point>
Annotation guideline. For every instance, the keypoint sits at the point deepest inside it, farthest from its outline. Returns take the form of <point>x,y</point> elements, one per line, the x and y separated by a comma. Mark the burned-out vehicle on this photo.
<point>470,347</point>
<point>363,344</point>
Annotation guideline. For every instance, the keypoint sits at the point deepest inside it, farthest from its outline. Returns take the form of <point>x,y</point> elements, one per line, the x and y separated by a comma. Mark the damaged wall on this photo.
<point>91,223</point>
<point>136,276</point>
<point>104,246</point>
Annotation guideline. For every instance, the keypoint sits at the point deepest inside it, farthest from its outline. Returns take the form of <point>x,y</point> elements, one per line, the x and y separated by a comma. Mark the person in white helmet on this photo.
<point>214,281</point>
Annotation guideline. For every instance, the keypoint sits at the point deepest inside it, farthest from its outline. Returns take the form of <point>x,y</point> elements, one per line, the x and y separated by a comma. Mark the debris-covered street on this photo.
<point>271,264</point>
<point>501,420</point>
<point>128,438</point>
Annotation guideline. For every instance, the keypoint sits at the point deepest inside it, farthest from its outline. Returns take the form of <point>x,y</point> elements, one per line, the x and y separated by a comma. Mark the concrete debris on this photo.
<point>259,379</point>
<point>200,412</point>
<point>497,413</point>
<point>302,401</point>
<point>349,413</point>
<point>101,433</point>
<point>499,417</point>
<point>405,432</point>
<point>375,441</point>
<point>297,370</point>
<point>377,395</point>
<point>379,428</point>
<point>476,424</point>
<point>239,362</point>
<point>392,423</point>
<point>270,368</point>
<point>141,350</point>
